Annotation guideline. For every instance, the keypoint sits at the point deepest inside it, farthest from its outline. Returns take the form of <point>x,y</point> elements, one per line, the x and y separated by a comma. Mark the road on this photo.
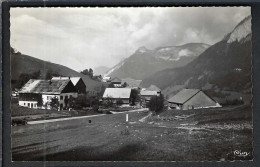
<point>32,141</point>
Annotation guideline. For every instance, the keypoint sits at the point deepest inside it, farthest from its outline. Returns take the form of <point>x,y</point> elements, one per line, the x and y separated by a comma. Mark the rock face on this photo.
<point>145,62</point>
<point>241,31</point>
<point>225,65</point>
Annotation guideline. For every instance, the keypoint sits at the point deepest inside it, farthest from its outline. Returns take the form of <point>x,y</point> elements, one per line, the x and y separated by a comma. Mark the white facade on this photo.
<point>61,98</point>
<point>29,104</point>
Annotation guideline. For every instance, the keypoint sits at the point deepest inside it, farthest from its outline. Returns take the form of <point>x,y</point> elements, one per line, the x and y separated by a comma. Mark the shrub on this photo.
<point>95,108</point>
<point>119,102</point>
<point>54,103</point>
<point>156,104</point>
<point>234,102</point>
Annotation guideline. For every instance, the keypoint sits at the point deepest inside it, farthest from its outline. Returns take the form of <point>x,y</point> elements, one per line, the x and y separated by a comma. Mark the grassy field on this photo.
<point>29,114</point>
<point>194,135</point>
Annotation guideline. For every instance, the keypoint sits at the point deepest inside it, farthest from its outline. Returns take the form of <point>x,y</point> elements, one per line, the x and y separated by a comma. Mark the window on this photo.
<point>70,96</point>
<point>61,97</point>
<point>24,104</point>
<point>28,104</point>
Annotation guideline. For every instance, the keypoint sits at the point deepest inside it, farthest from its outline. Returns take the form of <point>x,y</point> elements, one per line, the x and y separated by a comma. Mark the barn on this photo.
<point>77,82</point>
<point>132,83</point>
<point>116,82</point>
<point>191,99</point>
<point>35,91</point>
<point>116,94</point>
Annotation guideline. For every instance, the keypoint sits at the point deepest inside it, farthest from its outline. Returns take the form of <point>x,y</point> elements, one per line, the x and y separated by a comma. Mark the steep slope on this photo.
<point>145,62</point>
<point>23,64</point>
<point>223,66</point>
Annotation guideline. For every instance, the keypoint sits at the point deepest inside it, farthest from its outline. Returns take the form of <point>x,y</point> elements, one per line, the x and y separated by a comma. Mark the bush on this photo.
<point>16,122</point>
<point>234,102</point>
<point>54,103</point>
<point>119,102</point>
<point>156,104</point>
<point>95,108</point>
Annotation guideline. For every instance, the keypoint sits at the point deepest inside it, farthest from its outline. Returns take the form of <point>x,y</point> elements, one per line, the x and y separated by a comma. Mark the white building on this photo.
<point>37,91</point>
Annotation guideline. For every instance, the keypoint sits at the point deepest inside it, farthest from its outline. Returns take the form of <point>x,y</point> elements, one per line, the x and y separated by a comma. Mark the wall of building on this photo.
<point>47,98</point>
<point>125,101</point>
<point>63,96</point>
<point>200,100</point>
<point>29,104</point>
<point>81,86</point>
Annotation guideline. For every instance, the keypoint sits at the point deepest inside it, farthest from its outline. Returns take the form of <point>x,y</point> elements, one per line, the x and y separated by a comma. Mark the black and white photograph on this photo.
<point>131,84</point>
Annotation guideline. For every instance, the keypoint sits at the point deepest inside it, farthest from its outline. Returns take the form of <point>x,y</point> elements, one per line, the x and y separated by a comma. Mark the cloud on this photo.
<point>89,37</point>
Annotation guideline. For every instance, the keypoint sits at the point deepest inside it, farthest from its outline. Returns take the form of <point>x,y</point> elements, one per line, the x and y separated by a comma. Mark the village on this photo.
<point>69,93</point>
<point>124,113</point>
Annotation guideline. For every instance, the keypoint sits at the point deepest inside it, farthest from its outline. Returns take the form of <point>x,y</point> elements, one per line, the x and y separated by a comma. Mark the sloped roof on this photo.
<point>115,80</point>
<point>132,82</point>
<point>148,93</point>
<point>74,80</point>
<point>153,88</point>
<point>44,86</point>
<point>183,96</point>
<point>117,93</point>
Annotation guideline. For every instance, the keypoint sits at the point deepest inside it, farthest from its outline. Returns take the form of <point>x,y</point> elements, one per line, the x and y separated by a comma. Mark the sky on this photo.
<point>82,38</point>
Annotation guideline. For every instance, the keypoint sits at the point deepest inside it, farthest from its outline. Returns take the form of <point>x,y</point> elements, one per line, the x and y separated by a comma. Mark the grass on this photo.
<point>207,134</point>
<point>24,113</point>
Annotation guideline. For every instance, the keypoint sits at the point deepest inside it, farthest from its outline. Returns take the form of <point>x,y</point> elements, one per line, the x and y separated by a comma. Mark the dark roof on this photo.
<point>116,80</point>
<point>183,96</point>
<point>132,82</point>
<point>44,86</point>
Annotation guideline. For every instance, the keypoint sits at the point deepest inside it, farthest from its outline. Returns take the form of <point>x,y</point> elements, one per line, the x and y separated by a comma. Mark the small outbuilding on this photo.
<point>192,99</point>
<point>116,94</point>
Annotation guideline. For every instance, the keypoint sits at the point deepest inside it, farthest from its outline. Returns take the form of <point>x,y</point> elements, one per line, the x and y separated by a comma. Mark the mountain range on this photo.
<point>145,62</point>
<point>224,66</point>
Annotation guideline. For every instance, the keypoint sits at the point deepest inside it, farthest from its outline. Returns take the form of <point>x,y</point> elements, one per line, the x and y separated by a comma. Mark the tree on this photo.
<point>24,78</point>
<point>119,102</point>
<point>85,72</point>
<point>135,96</point>
<point>156,104</point>
<point>124,85</point>
<point>90,71</point>
<point>39,101</point>
<point>111,85</point>
<point>54,103</point>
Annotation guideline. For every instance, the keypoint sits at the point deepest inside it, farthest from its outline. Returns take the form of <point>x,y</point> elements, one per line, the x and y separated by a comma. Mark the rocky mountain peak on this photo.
<point>241,31</point>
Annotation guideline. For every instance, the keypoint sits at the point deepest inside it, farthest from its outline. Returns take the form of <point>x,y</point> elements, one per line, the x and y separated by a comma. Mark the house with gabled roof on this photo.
<point>116,82</point>
<point>192,99</point>
<point>77,82</point>
<point>44,90</point>
<point>131,83</point>
<point>148,93</point>
<point>116,94</point>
